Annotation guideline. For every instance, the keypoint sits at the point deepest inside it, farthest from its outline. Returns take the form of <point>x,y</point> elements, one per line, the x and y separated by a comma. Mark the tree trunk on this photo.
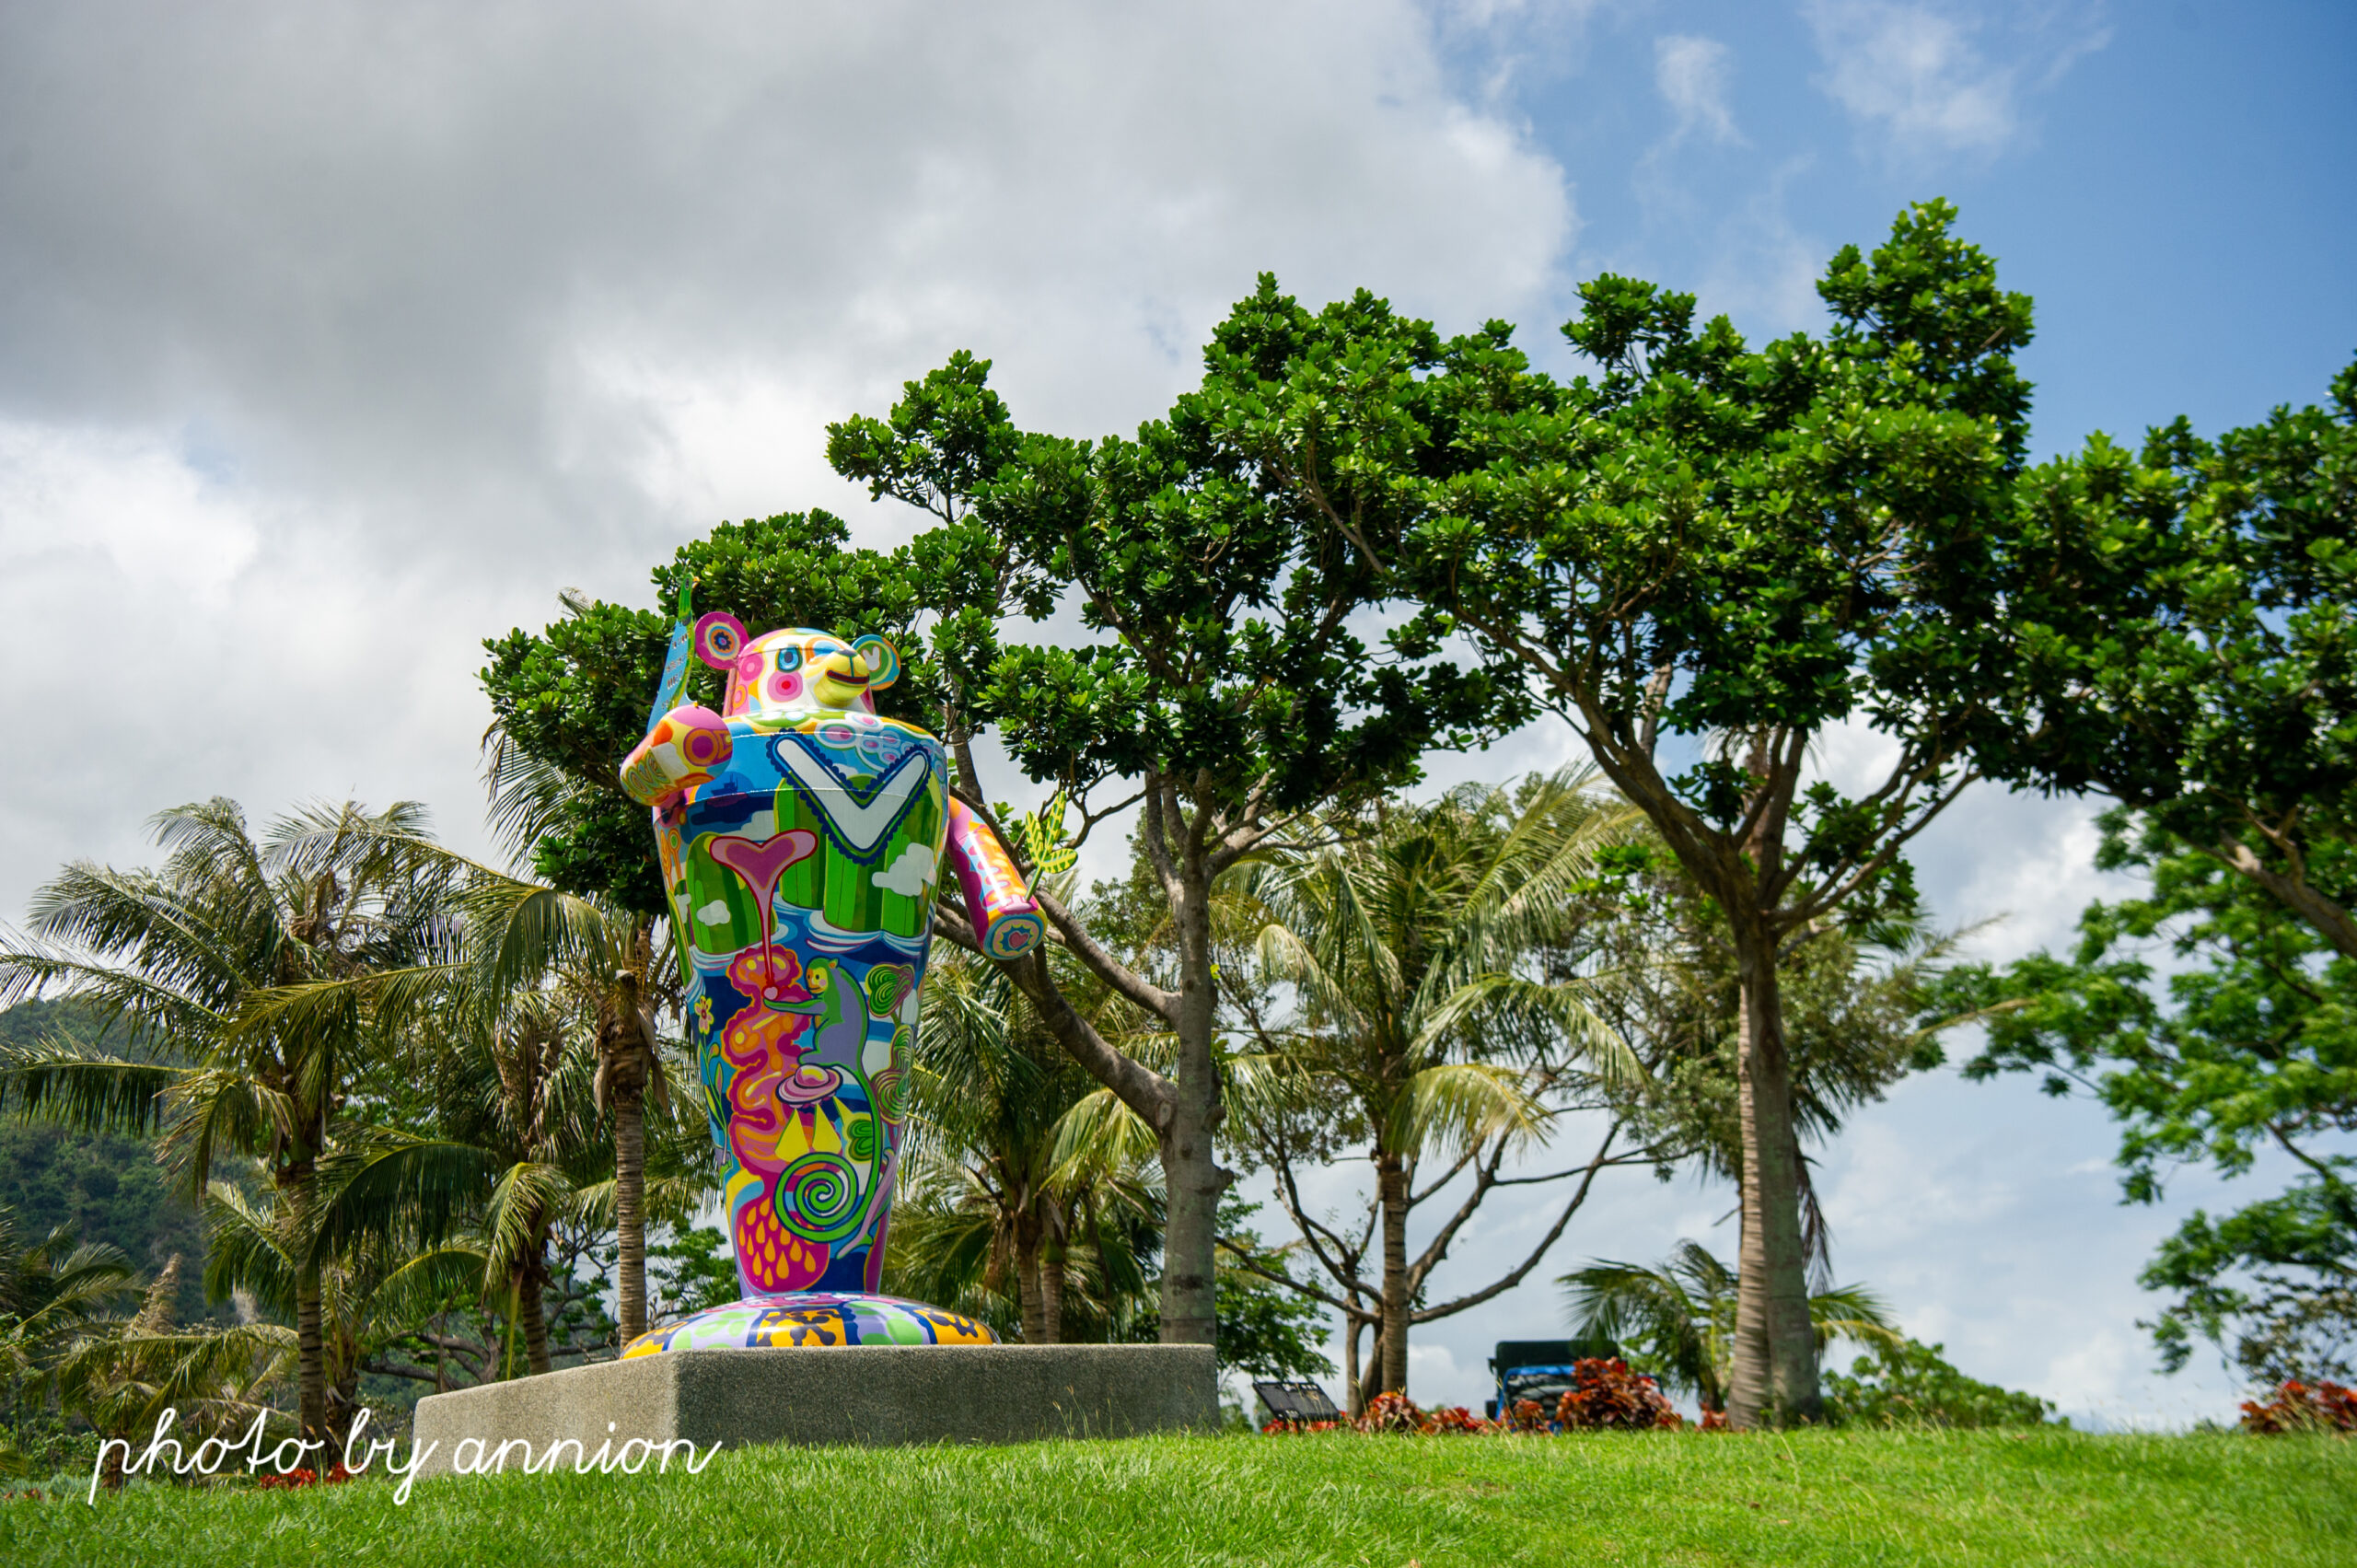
<point>1352,1395</point>
<point>310,1347</point>
<point>1052,1289</point>
<point>1190,1169</point>
<point>1773,1381</point>
<point>343,1408</point>
<point>629,1207</point>
<point>531,1318</point>
<point>1027,1278</point>
<point>1391,1191</point>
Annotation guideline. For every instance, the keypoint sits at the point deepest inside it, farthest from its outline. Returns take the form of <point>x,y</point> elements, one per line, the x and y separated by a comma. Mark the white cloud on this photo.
<point>1929,78</point>
<point>469,307</point>
<point>1694,74</point>
<point>124,503</point>
<point>911,875</point>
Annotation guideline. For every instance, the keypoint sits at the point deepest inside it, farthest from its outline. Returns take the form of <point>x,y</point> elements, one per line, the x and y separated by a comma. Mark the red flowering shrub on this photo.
<point>1712,1420</point>
<point>1393,1412</point>
<point>1457,1418</point>
<point>304,1476</point>
<point>1608,1397</point>
<point>1528,1415</point>
<point>2296,1407</point>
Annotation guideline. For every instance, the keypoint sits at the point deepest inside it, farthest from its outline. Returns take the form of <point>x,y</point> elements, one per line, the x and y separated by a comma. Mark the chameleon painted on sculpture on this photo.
<point>801,837</point>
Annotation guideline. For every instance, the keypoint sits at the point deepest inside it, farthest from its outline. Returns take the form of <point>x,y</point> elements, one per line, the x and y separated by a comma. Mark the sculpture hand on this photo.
<point>1006,922</point>
<point>686,747</point>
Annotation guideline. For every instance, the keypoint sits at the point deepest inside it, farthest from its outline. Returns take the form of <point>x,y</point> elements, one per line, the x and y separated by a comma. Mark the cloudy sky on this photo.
<point>336,338</point>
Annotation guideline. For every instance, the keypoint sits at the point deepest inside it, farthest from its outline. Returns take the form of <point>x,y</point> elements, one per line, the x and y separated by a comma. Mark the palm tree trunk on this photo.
<point>310,1347</point>
<point>1027,1278</point>
<point>344,1405</point>
<point>630,1209</point>
<point>1773,1381</point>
<point>530,1316</point>
<point>1391,1191</point>
<point>1051,1290</point>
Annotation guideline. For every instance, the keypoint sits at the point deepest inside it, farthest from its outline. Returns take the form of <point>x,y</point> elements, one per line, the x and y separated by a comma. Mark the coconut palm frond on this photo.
<point>248,1249</point>
<point>56,1081</point>
<point>526,1195</point>
<point>1452,1107</point>
<point>426,1283</point>
<point>1851,1312</point>
<point>397,1185</point>
<point>1097,1139</point>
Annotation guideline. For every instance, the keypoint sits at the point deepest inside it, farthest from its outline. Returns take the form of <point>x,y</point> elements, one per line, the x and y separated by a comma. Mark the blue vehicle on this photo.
<point>1540,1369</point>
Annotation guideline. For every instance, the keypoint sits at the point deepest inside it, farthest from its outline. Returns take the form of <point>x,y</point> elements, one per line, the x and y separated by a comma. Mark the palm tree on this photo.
<point>122,1374</point>
<point>49,1291</point>
<point>538,1006</point>
<point>530,799</point>
<point>1679,1315</point>
<point>193,964</point>
<point>372,1290</point>
<point>1019,1167</point>
<point>1855,1000</point>
<point>1436,1016</point>
<point>515,1152</point>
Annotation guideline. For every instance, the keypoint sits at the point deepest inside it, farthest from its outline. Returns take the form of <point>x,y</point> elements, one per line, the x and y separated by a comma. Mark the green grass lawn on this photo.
<point>1668,1498</point>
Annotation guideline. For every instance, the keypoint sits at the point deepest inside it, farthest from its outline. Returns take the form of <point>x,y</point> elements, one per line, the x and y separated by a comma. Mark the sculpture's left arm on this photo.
<point>685,747</point>
<point>1006,922</point>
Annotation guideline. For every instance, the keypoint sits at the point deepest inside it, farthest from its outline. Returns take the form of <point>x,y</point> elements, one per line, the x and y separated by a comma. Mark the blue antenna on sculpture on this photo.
<point>675,663</point>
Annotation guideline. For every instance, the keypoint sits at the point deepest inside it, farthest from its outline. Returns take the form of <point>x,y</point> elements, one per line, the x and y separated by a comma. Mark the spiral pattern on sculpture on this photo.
<point>819,1198</point>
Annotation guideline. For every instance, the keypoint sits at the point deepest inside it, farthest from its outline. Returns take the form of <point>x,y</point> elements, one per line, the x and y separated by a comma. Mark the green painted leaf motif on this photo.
<point>1043,833</point>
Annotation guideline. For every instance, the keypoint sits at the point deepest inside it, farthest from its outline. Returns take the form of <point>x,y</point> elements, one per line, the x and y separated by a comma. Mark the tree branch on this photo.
<point>1587,1180</point>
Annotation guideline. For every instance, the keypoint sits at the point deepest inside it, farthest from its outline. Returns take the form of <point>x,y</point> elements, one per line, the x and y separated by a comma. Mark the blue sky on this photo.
<point>334,340</point>
<point>2170,182</point>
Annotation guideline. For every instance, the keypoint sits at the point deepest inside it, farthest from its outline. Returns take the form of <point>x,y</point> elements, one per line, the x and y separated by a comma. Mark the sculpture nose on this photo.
<point>850,668</point>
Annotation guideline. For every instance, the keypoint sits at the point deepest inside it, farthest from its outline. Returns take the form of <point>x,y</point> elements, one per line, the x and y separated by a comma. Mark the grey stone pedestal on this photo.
<point>869,1394</point>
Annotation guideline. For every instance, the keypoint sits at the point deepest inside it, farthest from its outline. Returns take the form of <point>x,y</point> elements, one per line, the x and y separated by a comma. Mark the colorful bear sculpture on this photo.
<point>801,837</point>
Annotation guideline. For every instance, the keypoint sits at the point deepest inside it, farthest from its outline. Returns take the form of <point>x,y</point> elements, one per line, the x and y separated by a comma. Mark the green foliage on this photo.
<point>1265,1330</point>
<point>687,1273</point>
<point>2217,693</point>
<point>1229,656</point>
<point>1677,1318</point>
<point>1732,549</point>
<point>1901,1383</point>
<point>2255,1049</point>
<point>1714,540</point>
<point>569,702</point>
<point>110,1190</point>
<point>1863,1003</point>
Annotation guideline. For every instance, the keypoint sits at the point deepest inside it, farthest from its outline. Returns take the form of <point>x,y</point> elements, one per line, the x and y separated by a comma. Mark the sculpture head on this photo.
<point>796,673</point>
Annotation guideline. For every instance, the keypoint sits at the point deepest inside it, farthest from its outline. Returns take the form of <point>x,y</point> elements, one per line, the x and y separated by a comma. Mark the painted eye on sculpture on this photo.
<point>789,657</point>
<point>719,638</point>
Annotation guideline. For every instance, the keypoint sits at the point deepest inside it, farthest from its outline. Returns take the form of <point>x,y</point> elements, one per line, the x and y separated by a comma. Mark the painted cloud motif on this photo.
<point>910,875</point>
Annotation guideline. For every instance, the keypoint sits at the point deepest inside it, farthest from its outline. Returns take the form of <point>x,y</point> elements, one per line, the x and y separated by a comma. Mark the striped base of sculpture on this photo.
<point>812,1320</point>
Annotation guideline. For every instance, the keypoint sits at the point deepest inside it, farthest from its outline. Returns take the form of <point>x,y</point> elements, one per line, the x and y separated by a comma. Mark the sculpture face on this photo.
<point>782,677</point>
<point>801,839</point>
